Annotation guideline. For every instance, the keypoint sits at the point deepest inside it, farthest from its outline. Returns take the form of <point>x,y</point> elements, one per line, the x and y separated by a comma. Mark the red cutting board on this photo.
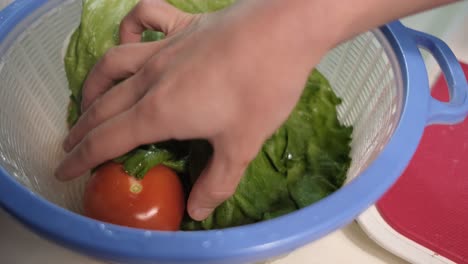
<point>429,203</point>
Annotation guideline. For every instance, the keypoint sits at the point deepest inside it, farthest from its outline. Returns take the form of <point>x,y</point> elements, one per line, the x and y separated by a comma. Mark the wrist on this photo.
<point>301,35</point>
<point>340,20</point>
<point>326,23</point>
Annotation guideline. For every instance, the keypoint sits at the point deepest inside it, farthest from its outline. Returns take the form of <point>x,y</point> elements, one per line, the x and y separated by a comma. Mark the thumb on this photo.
<point>154,15</point>
<point>217,183</point>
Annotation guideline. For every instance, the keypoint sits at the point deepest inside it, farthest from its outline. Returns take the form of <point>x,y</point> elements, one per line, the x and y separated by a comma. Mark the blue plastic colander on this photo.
<point>380,75</point>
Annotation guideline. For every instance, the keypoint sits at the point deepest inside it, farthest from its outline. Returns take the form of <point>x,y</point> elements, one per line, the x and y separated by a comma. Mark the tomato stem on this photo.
<point>136,187</point>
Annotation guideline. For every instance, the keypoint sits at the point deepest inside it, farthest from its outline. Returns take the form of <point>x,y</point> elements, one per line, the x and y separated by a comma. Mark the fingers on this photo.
<point>217,182</point>
<point>117,100</point>
<point>111,139</point>
<point>117,64</point>
<point>152,14</point>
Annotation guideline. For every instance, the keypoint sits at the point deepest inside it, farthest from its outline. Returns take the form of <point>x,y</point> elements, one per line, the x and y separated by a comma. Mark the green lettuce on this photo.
<point>306,159</point>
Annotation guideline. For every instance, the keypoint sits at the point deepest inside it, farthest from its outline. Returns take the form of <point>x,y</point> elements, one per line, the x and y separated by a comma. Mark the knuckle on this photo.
<point>86,96</point>
<point>141,6</point>
<point>243,161</point>
<point>239,156</point>
<point>132,68</point>
<point>145,7</point>
<point>93,114</point>
<point>89,148</point>
<point>125,25</point>
<point>108,58</point>
<point>183,20</point>
<point>149,117</point>
<point>146,4</point>
<point>72,138</point>
<point>150,110</point>
<point>115,63</point>
<point>150,69</point>
<point>247,155</point>
<point>220,195</point>
<point>157,63</point>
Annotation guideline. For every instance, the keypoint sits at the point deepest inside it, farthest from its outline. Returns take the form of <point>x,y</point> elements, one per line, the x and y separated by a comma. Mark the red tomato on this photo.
<point>156,202</point>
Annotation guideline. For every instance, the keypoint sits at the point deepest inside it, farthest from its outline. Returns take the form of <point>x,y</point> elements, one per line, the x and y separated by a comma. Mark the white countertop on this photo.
<point>348,245</point>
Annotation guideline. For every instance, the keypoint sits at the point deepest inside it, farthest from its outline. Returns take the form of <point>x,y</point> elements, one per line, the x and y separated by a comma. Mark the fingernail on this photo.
<point>200,213</point>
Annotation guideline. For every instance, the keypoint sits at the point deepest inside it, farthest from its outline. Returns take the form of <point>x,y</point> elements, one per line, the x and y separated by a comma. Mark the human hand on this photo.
<point>214,77</point>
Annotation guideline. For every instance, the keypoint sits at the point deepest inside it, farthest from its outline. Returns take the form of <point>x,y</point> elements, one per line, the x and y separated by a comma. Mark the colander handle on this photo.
<point>456,109</point>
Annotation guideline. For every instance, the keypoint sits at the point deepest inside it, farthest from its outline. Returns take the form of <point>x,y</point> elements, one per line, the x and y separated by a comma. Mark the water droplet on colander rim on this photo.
<point>206,244</point>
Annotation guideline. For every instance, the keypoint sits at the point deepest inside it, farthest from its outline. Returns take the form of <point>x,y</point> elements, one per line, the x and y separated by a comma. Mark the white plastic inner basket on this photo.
<point>34,98</point>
